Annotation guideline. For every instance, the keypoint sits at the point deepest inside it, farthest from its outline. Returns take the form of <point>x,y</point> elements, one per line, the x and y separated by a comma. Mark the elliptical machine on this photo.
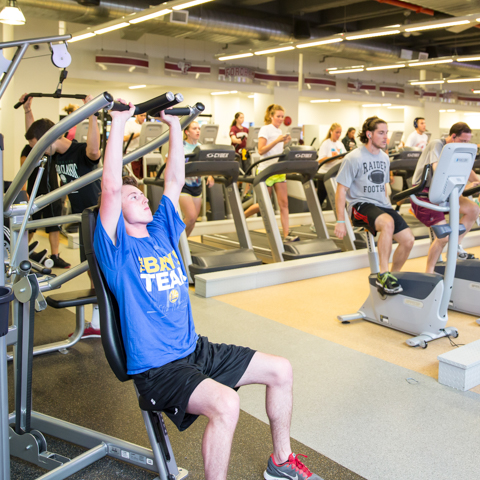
<point>421,309</point>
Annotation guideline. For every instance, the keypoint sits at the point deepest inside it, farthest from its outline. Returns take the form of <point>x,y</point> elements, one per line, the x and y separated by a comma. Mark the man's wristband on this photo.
<point>340,221</point>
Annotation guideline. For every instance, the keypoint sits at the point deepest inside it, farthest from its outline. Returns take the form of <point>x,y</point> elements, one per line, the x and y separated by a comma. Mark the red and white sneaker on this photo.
<point>292,469</point>
<point>89,331</point>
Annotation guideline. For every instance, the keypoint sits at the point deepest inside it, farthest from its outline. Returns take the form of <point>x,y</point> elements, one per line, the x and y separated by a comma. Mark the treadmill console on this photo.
<point>299,152</point>
<point>406,155</point>
<point>208,153</point>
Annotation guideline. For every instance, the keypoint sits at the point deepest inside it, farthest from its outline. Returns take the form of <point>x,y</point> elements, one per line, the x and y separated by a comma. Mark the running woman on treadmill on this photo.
<point>180,372</point>
<point>362,183</point>
<point>459,133</point>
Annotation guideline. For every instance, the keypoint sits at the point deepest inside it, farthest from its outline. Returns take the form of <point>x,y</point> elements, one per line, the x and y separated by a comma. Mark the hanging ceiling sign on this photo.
<point>319,82</point>
<point>391,90</point>
<point>262,77</point>
<point>236,74</point>
<point>185,67</point>
<point>356,86</point>
<point>116,60</point>
<point>469,100</point>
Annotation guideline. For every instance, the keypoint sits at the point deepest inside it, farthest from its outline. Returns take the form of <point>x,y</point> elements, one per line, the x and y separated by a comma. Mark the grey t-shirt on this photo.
<point>365,176</point>
<point>430,155</point>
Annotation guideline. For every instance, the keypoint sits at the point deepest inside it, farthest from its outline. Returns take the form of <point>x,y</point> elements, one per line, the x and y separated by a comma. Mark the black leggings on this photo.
<point>322,192</point>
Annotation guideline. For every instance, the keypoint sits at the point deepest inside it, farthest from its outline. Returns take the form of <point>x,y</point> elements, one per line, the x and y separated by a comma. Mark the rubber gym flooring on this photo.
<point>365,404</point>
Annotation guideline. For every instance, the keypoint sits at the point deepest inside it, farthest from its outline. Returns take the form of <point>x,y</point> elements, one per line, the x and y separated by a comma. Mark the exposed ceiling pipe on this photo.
<point>209,24</point>
<point>409,6</point>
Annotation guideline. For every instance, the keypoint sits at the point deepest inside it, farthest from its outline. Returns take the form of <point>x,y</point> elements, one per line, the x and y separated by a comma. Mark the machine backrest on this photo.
<point>208,133</point>
<point>112,340</point>
<point>395,140</point>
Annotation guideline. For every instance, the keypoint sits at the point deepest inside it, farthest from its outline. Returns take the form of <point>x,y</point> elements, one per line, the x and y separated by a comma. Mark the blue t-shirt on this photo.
<point>189,148</point>
<point>148,280</point>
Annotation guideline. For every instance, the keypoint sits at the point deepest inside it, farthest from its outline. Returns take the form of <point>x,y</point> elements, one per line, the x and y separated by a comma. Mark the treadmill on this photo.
<point>298,163</point>
<point>220,162</point>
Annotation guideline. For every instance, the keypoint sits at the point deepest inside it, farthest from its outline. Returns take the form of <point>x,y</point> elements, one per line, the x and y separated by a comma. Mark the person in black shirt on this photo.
<point>349,140</point>
<point>72,160</point>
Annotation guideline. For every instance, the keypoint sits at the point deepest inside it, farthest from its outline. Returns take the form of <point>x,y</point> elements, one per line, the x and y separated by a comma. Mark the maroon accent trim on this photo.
<point>221,71</point>
<point>275,78</point>
<point>137,62</point>
<point>469,99</point>
<point>391,89</point>
<point>320,81</point>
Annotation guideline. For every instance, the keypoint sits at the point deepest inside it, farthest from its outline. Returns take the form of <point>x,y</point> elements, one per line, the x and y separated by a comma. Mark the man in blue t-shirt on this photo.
<point>177,370</point>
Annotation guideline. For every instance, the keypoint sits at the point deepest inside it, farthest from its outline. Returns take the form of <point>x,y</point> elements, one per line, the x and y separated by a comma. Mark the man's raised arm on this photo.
<point>111,203</point>
<point>175,169</point>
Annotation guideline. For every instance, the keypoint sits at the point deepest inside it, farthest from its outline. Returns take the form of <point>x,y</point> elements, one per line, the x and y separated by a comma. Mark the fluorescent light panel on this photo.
<point>464,80</point>
<point>372,35</point>
<point>475,91</point>
<point>468,59</point>
<point>320,42</point>
<point>223,93</point>
<point>385,67</point>
<point>233,57</point>
<point>134,87</point>
<point>144,18</point>
<point>437,25</point>
<point>81,37</point>
<point>334,100</point>
<point>111,28</point>
<point>393,107</point>
<point>451,110</point>
<point>274,50</point>
<point>427,82</point>
<point>194,3</point>
<point>431,62</point>
<point>348,70</point>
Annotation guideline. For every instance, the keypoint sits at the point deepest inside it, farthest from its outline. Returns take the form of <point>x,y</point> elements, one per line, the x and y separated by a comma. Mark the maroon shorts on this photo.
<point>425,215</point>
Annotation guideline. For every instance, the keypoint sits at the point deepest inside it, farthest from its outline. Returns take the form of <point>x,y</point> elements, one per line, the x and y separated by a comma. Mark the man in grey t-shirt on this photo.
<point>459,133</point>
<point>362,183</point>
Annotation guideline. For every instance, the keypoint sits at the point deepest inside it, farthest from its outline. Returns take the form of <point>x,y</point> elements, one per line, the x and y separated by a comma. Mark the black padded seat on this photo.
<point>72,299</point>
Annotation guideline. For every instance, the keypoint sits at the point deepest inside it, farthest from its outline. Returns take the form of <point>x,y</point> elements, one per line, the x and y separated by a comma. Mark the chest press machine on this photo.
<point>29,425</point>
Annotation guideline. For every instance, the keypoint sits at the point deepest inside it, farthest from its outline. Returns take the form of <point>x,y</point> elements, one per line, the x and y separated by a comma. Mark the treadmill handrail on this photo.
<point>415,189</point>
<point>309,167</point>
<point>271,157</point>
<point>329,159</point>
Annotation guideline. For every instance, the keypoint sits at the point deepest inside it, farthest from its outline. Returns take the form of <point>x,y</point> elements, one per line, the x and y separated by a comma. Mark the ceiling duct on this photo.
<point>217,26</point>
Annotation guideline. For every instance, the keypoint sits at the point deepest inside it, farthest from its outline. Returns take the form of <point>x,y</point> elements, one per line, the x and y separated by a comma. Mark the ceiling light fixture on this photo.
<point>144,18</point>
<point>233,57</point>
<point>134,87</point>
<point>385,67</point>
<point>368,105</point>
<point>111,28</point>
<point>427,82</point>
<point>251,96</point>
<point>223,93</point>
<point>334,100</point>
<point>393,107</point>
<point>320,42</point>
<point>274,50</point>
<point>452,110</point>
<point>190,4</point>
<point>11,14</point>
<point>464,80</point>
<point>372,34</point>
<point>348,70</point>
<point>430,62</point>
<point>81,37</point>
<point>475,91</point>
<point>437,25</point>
<point>468,59</point>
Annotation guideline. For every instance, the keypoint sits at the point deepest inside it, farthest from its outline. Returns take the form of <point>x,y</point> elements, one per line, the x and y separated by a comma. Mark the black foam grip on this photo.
<point>157,103</point>
<point>180,112</point>
<point>119,107</point>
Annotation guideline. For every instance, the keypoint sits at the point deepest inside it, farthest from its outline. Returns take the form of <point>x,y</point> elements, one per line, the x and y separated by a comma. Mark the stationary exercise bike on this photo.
<point>421,309</point>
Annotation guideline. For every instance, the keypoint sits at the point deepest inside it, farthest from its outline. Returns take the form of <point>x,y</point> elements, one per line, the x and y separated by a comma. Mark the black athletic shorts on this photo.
<point>192,191</point>
<point>52,210</point>
<point>171,386</point>
<point>365,214</point>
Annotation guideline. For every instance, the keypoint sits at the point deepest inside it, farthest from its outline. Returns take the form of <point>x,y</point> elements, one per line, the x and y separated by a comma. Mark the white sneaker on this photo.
<point>463,255</point>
